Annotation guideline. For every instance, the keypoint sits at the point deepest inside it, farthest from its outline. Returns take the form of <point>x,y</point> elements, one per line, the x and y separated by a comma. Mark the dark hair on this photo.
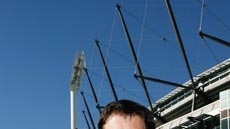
<point>127,107</point>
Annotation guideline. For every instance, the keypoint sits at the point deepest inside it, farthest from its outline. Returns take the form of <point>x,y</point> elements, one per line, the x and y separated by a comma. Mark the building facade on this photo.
<point>207,106</point>
<point>225,109</point>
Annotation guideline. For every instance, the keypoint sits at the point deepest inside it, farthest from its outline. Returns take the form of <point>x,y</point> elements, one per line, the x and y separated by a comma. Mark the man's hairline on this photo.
<point>123,114</point>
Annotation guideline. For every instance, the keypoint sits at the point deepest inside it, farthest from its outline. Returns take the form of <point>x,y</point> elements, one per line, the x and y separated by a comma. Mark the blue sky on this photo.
<point>39,40</point>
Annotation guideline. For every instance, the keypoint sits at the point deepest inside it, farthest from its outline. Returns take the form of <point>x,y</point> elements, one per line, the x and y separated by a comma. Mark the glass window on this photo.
<point>223,104</point>
<point>223,95</point>
<point>228,101</point>
<point>224,124</point>
<point>223,114</point>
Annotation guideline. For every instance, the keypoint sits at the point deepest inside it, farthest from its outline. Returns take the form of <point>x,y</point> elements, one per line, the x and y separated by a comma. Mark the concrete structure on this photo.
<point>212,102</point>
<point>225,109</point>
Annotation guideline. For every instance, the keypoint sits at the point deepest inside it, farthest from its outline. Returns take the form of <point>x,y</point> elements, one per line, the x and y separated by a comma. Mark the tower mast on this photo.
<point>76,78</point>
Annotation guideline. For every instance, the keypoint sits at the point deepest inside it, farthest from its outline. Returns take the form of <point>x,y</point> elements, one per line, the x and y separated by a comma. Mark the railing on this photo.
<point>211,80</point>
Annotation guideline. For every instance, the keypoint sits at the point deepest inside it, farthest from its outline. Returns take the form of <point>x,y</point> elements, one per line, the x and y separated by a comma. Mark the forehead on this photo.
<point>121,121</point>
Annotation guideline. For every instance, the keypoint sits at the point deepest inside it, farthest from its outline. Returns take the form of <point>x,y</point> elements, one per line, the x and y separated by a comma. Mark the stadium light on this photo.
<point>75,82</point>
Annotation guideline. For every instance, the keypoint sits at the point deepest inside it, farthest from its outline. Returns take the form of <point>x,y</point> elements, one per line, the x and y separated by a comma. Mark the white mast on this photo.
<point>76,78</point>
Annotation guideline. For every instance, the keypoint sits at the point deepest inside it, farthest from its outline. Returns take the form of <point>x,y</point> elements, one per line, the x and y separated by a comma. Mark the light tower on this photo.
<point>76,78</point>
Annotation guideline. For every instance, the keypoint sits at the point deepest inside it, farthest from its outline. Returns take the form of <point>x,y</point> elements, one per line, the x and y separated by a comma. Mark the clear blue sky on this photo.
<point>39,39</point>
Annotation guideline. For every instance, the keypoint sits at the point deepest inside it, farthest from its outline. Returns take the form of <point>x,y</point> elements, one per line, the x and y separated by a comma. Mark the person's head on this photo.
<point>122,113</point>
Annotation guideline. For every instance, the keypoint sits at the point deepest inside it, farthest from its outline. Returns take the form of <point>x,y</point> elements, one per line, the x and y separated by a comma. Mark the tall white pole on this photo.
<point>76,78</point>
<point>72,110</point>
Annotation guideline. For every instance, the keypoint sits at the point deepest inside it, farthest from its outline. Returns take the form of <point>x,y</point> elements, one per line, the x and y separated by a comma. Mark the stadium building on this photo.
<point>205,107</point>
